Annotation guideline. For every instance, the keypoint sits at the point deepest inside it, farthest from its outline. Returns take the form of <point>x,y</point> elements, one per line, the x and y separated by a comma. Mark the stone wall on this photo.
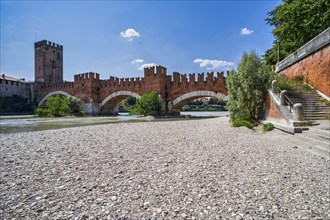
<point>10,86</point>
<point>312,61</point>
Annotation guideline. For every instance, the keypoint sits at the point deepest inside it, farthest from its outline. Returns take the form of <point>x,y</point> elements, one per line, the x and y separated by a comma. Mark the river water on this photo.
<point>30,123</point>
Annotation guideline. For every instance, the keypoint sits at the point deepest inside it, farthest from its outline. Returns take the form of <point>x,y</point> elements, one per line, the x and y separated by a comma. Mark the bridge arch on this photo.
<point>59,92</point>
<point>110,104</point>
<point>178,103</point>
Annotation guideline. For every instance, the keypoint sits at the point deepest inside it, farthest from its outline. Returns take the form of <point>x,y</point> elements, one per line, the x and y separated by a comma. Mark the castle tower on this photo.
<point>48,59</point>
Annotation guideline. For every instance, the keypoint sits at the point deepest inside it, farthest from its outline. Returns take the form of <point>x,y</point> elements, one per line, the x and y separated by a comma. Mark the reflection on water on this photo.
<point>13,125</point>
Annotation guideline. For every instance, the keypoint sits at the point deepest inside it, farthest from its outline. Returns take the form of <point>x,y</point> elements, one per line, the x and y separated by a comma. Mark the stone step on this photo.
<point>325,134</point>
<point>315,110</point>
<point>314,116</point>
<point>313,148</point>
<point>321,136</point>
<point>315,139</point>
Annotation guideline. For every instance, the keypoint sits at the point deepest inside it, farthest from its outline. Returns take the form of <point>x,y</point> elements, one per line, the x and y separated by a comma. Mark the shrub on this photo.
<point>307,88</point>
<point>242,122</point>
<point>284,83</point>
<point>216,101</point>
<point>186,108</point>
<point>324,102</point>
<point>298,79</point>
<point>75,104</point>
<point>42,112</point>
<point>149,104</point>
<point>267,127</point>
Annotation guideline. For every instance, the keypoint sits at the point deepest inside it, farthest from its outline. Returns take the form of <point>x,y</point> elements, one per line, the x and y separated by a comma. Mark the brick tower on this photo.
<point>48,59</point>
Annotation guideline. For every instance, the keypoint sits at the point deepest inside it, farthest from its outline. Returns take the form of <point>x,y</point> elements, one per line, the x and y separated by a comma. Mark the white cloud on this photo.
<point>137,61</point>
<point>129,34</point>
<point>214,64</point>
<point>246,31</point>
<point>146,65</point>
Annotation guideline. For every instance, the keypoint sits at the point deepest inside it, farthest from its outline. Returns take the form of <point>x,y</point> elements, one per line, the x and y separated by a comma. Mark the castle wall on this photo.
<point>92,90</point>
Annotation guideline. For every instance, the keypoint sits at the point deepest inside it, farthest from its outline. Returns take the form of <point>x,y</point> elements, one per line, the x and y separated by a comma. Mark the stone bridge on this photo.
<point>103,96</point>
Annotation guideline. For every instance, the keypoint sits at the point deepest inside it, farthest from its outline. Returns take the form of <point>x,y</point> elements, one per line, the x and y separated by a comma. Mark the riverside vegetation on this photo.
<point>247,90</point>
<point>58,106</point>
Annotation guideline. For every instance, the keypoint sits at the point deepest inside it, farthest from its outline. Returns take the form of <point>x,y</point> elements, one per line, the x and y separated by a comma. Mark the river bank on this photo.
<point>14,124</point>
<point>193,169</point>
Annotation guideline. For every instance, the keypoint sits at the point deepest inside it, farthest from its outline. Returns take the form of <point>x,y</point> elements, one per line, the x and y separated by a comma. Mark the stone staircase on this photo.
<point>313,108</point>
<point>314,140</point>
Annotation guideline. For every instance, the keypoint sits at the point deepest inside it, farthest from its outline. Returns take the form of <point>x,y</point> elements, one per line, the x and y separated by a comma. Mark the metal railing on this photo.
<point>287,100</point>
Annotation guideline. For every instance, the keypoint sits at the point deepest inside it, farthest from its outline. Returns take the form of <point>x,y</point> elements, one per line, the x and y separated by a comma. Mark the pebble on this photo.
<point>190,169</point>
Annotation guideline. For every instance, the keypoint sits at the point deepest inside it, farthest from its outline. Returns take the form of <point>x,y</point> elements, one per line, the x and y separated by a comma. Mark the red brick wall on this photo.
<point>315,70</point>
<point>272,107</point>
<point>88,86</point>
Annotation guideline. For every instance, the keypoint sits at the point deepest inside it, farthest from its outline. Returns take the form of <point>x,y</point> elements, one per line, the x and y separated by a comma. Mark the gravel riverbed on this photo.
<point>195,169</point>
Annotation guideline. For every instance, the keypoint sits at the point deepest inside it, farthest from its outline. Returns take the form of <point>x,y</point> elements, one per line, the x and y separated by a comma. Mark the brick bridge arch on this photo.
<point>42,102</point>
<point>175,105</point>
<point>101,95</point>
<point>111,103</point>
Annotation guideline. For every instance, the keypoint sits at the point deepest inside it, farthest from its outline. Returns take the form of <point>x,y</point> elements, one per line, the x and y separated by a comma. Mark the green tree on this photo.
<point>57,105</point>
<point>216,101</point>
<point>149,104</point>
<point>131,101</point>
<point>75,104</point>
<point>247,88</point>
<point>296,22</point>
<point>195,102</point>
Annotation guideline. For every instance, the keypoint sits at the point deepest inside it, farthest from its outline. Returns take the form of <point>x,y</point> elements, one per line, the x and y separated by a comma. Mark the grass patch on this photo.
<point>324,102</point>
<point>306,88</point>
<point>267,127</point>
<point>241,122</point>
<point>284,83</point>
<point>298,79</point>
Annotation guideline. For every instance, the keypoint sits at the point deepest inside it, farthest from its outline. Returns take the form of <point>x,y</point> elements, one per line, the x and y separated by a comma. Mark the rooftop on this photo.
<point>5,77</point>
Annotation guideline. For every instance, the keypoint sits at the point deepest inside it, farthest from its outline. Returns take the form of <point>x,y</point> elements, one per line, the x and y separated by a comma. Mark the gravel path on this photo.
<point>196,169</point>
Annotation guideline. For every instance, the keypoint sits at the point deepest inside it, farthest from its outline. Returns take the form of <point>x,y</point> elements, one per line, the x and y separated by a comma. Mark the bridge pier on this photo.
<point>91,108</point>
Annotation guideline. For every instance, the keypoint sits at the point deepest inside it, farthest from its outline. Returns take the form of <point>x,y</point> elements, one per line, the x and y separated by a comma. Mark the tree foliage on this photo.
<point>58,105</point>
<point>296,22</point>
<point>216,101</point>
<point>149,104</point>
<point>75,104</point>
<point>247,88</point>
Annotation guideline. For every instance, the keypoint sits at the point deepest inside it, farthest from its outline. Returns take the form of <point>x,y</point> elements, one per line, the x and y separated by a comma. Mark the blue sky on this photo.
<point>118,38</point>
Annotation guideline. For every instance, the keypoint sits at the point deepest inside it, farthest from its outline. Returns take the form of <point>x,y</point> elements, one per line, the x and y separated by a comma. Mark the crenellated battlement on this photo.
<point>48,44</point>
<point>154,71</point>
<point>178,78</point>
<point>86,76</point>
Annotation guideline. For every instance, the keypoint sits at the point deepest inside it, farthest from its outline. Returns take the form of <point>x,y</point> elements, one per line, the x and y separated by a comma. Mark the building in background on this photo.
<point>10,86</point>
<point>48,58</point>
